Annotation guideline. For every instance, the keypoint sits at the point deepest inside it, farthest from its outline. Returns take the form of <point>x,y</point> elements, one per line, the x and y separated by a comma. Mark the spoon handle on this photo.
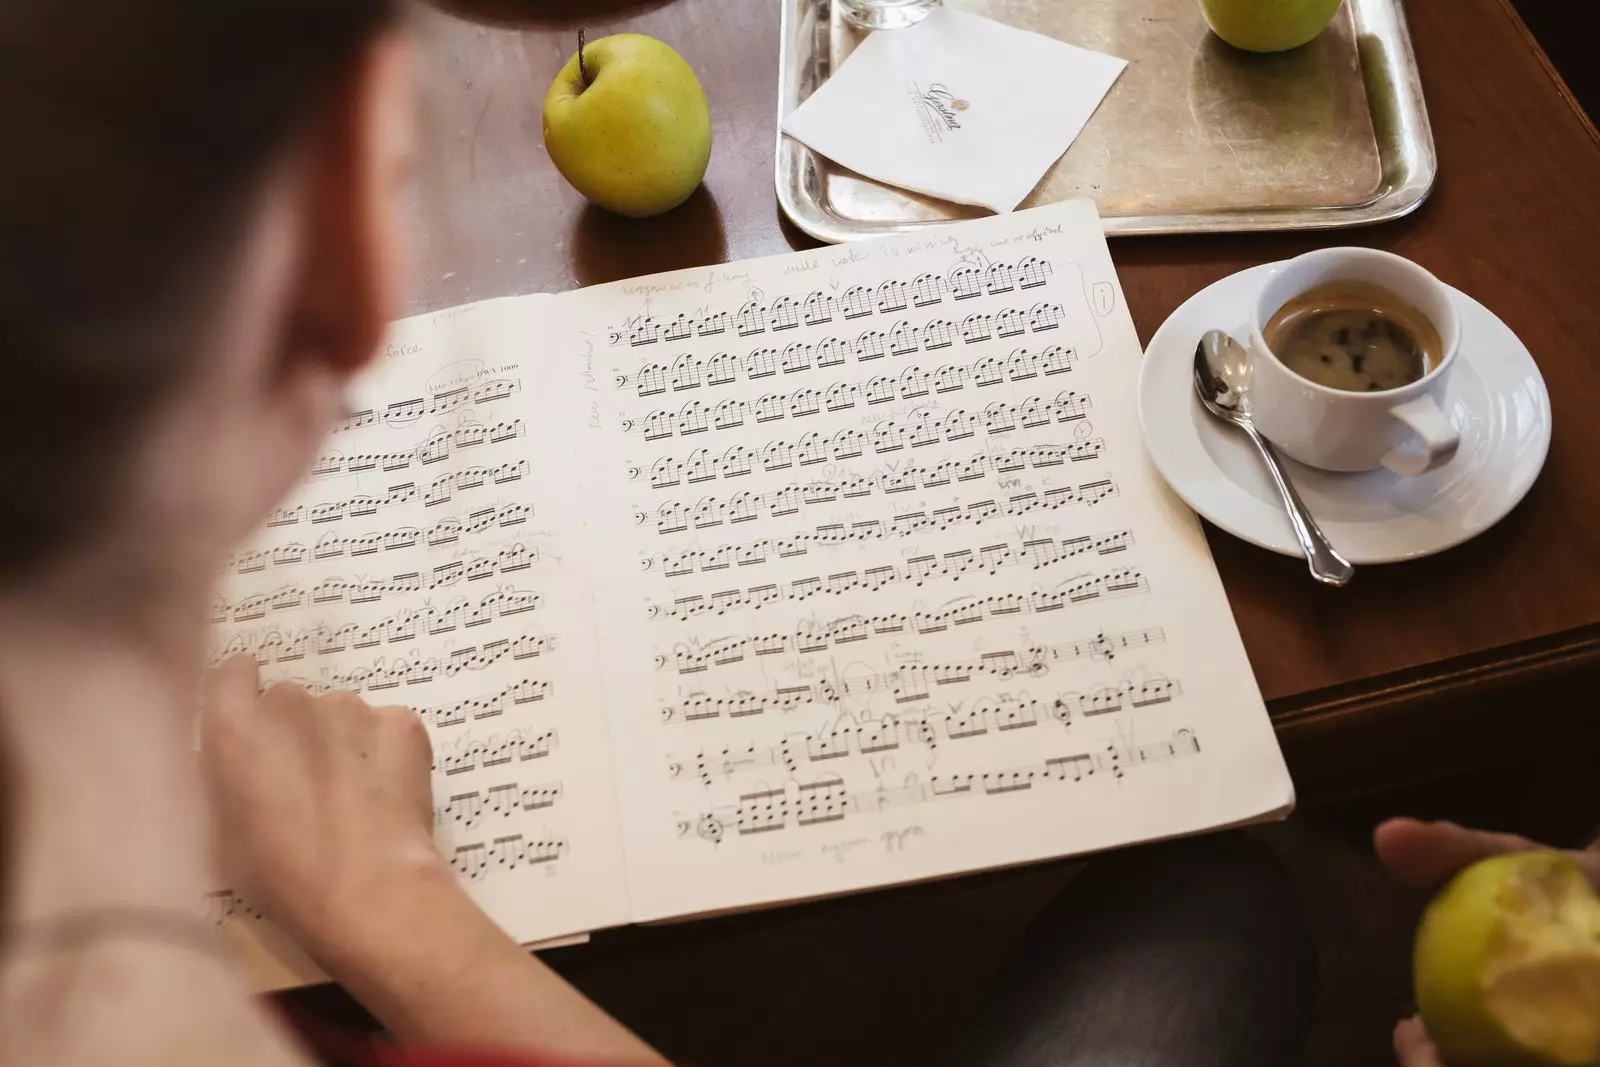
<point>1327,566</point>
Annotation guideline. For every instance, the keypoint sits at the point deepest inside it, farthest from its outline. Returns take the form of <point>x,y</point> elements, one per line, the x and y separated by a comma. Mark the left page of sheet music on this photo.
<point>433,558</point>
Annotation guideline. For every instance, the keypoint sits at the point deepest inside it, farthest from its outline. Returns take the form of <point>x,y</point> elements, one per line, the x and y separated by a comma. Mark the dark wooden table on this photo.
<point>1415,670</point>
<point>1487,650</point>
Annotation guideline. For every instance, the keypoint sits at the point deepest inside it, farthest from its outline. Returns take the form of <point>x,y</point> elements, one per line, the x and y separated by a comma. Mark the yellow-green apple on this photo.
<point>1268,25</point>
<point>627,123</point>
<point>1507,964</point>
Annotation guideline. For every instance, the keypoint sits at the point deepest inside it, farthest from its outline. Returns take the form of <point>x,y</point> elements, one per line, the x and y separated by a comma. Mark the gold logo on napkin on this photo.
<point>937,109</point>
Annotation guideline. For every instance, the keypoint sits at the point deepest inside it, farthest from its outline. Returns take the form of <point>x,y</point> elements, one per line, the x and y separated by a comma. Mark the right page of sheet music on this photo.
<point>894,592</point>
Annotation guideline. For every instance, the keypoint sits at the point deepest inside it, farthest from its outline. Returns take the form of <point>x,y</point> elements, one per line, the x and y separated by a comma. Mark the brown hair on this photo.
<point>135,133</point>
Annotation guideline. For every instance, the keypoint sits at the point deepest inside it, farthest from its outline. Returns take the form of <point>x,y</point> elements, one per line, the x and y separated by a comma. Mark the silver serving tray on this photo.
<point>1195,137</point>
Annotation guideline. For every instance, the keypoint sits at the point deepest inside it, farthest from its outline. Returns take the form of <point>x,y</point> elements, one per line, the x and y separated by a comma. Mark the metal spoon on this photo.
<point>1222,378</point>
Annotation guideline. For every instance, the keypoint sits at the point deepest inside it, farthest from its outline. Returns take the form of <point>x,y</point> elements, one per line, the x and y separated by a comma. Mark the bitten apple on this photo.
<point>1507,964</point>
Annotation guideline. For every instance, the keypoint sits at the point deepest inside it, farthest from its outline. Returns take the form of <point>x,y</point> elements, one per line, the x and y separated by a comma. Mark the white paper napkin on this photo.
<point>958,106</point>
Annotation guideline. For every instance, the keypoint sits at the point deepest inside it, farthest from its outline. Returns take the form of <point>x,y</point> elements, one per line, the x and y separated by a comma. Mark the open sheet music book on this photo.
<point>751,583</point>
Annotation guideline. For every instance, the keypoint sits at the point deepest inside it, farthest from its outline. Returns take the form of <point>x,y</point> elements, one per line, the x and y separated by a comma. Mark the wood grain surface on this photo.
<point>1514,220</point>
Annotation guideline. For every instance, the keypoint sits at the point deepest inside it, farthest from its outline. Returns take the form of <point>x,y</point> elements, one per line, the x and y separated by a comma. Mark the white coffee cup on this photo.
<point>1402,429</point>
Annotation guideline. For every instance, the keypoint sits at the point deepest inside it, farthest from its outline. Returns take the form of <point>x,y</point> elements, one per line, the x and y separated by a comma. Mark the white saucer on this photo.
<point>1494,396</point>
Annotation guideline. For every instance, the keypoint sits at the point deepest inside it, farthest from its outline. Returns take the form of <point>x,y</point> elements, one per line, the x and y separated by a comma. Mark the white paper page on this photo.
<point>893,591</point>
<point>435,558</point>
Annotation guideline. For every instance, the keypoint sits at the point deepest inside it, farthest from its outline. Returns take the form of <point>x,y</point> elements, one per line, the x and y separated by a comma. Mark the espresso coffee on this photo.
<point>1354,336</point>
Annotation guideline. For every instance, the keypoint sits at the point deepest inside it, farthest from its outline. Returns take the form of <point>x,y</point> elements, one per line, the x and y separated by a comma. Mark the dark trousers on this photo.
<point>1182,954</point>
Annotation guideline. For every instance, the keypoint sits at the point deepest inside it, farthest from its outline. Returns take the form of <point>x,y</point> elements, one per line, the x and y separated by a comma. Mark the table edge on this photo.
<point>1465,712</point>
<point>1562,88</point>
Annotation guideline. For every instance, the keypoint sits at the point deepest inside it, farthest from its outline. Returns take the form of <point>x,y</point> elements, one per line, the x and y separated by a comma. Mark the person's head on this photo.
<point>199,244</point>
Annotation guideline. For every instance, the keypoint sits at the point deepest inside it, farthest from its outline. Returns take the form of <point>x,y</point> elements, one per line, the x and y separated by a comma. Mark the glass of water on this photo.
<point>886,14</point>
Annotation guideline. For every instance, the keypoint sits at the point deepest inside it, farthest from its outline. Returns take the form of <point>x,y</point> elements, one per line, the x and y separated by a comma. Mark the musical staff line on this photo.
<point>446,716</point>
<point>405,412</point>
<point>814,448</point>
<point>787,312</point>
<point>1075,590</point>
<point>277,646</point>
<point>441,490</point>
<point>503,801</point>
<point>689,371</point>
<point>998,417</point>
<point>894,731</point>
<point>292,597</point>
<point>909,683</point>
<point>385,674</point>
<point>830,800</point>
<point>702,466</point>
<point>331,546</point>
<point>745,506</point>
<point>853,629</point>
<point>436,449</point>
<point>476,861</point>
<point>755,553</point>
<point>518,746</point>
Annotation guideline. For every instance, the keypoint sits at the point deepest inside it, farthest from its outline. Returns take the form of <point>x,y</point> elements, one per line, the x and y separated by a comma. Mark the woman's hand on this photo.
<point>324,807</point>
<point>326,823</point>
<point>1423,855</point>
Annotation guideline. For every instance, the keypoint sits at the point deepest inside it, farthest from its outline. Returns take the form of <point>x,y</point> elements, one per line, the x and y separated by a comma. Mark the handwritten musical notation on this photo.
<point>436,449</point>
<point>405,412</point>
<point>899,730</point>
<point>830,800</point>
<point>747,506</point>
<point>998,417</point>
<point>273,645</point>
<point>502,800</point>
<point>477,708</point>
<point>702,466</point>
<point>384,674</point>
<point>441,490</point>
<point>1075,590</point>
<point>909,684</point>
<point>441,534</point>
<point>752,553</point>
<point>499,750</point>
<point>723,652</point>
<point>691,372</point>
<point>847,444</point>
<point>818,308</point>
<point>293,597</point>
<point>504,853</point>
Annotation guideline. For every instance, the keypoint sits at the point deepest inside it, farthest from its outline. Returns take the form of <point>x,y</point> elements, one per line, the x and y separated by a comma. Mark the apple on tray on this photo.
<point>1268,25</point>
<point>626,122</point>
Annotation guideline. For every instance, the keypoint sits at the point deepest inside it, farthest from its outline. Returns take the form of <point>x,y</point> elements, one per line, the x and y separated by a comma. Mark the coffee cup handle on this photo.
<point>1432,440</point>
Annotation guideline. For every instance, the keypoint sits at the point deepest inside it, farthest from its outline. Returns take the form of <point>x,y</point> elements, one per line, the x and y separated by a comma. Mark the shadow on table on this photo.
<point>606,247</point>
<point>545,13</point>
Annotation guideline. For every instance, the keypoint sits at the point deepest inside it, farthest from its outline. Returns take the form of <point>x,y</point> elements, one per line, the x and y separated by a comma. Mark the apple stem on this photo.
<point>583,71</point>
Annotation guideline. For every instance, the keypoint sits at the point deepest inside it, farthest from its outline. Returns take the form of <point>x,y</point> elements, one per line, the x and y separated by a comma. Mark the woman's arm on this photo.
<point>443,974</point>
<point>325,811</point>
